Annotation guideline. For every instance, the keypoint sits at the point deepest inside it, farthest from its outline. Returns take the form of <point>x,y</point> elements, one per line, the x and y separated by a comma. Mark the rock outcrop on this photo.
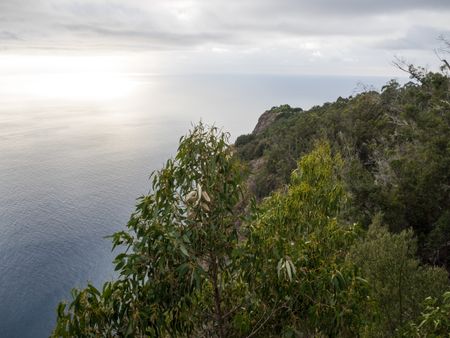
<point>270,116</point>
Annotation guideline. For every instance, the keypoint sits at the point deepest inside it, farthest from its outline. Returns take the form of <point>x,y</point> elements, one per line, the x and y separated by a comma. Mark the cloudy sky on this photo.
<point>347,37</point>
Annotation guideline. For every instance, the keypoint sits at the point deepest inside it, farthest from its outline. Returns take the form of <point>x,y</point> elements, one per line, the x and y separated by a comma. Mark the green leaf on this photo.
<point>184,250</point>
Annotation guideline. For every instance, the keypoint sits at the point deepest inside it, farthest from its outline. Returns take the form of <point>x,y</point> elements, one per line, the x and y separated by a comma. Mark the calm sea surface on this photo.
<point>71,167</point>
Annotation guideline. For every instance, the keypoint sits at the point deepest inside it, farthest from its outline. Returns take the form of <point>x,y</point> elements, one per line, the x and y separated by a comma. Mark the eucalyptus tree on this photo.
<point>176,267</point>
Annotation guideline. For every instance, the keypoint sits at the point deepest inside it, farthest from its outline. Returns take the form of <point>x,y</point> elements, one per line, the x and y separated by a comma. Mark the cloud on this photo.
<point>416,38</point>
<point>150,38</point>
<point>359,7</point>
<point>5,35</point>
<point>173,24</point>
<point>255,33</point>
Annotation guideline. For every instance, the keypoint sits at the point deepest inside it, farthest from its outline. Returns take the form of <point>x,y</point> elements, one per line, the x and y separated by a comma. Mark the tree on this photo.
<point>398,283</point>
<point>175,271</point>
<point>294,258</point>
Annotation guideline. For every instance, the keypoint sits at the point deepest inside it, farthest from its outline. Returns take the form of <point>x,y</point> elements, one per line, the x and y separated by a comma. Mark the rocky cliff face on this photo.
<point>265,120</point>
<point>270,116</point>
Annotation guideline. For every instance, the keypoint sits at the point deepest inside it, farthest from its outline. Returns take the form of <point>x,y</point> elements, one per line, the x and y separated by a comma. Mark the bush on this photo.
<point>398,282</point>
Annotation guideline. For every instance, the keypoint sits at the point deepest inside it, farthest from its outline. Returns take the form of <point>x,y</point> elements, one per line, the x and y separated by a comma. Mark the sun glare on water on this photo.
<point>65,78</point>
<point>70,86</point>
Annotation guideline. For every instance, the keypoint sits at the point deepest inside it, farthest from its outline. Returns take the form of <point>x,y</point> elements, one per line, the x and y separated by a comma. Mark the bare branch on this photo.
<point>416,73</point>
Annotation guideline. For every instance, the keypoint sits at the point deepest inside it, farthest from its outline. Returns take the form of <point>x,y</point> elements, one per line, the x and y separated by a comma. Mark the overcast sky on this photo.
<point>346,37</point>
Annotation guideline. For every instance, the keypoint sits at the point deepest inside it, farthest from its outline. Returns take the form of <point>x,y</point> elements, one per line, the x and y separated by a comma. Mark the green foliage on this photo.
<point>398,282</point>
<point>396,150</point>
<point>176,268</point>
<point>437,247</point>
<point>294,258</point>
<point>434,322</point>
<point>244,139</point>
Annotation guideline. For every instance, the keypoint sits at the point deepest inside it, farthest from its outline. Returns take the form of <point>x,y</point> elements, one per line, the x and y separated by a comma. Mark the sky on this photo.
<point>320,37</point>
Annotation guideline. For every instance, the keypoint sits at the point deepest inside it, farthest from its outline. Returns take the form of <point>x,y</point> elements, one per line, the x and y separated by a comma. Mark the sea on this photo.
<point>76,153</point>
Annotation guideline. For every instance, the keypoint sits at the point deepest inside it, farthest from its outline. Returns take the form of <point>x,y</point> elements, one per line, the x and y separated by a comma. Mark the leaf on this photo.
<point>190,197</point>
<point>129,329</point>
<point>206,196</point>
<point>199,193</point>
<point>279,267</point>
<point>184,250</point>
<point>294,270</point>
<point>93,290</point>
<point>119,257</point>
<point>288,270</point>
<point>61,308</point>
<point>182,269</point>
<point>107,291</point>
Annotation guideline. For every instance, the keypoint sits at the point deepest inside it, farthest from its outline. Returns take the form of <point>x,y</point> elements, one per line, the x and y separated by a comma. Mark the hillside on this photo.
<point>396,149</point>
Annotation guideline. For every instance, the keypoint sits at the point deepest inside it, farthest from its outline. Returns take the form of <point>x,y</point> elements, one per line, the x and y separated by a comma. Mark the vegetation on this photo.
<point>396,151</point>
<point>399,284</point>
<point>434,320</point>
<point>344,238</point>
<point>294,258</point>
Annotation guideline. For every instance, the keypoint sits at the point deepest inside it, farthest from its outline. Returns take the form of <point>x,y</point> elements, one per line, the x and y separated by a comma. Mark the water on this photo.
<point>71,167</point>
